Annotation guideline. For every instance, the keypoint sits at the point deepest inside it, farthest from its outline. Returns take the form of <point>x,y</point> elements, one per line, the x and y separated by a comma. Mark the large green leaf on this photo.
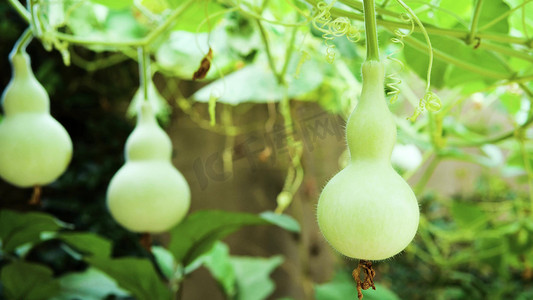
<point>199,231</point>
<point>87,243</point>
<point>28,281</point>
<point>136,275</point>
<point>17,228</point>
<point>183,51</point>
<point>92,22</point>
<point>256,83</point>
<point>90,284</point>
<point>253,276</point>
<point>342,286</point>
<point>459,74</point>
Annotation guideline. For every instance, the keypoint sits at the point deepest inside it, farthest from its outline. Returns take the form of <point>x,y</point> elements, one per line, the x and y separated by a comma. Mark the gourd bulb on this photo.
<point>367,211</point>
<point>34,148</point>
<point>148,194</point>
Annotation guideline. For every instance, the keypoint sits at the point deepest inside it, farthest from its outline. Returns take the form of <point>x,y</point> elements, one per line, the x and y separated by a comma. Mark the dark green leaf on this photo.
<point>197,233</point>
<point>17,228</point>
<point>87,243</point>
<point>135,275</point>
<point>90,284</point>
<point>253,276</point>
<point>28,281</point>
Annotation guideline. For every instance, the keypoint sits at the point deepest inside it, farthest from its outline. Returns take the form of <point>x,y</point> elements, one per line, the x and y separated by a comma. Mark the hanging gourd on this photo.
<point>367,211</point>
<point>148,194</point>
<point>34,148</point>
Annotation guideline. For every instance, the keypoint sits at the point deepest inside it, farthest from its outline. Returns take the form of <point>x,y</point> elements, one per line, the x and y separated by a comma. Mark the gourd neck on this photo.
<point>371,130</point>
<point>148,141</point>
<point>24,94</point>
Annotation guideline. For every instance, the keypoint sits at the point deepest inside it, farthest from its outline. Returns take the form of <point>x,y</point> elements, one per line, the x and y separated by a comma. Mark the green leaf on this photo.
<point>261,84</point>
<point>491,11</point>
<point>90,284</point>
<point>217,261</point>
<point>136,275</point>
<point>206,13</point>
<point>115,4</point>
<point>87,243</point>
<point>342,286</point>
<point>419,64</point>
<point>283,221</point>
<point>199,231</point>
<point>28,281</point>
<point>253,276</point>
<point>17,229</point>
<point>165,260</point>
<point>182,53</point>
<point>457,49</point>
<point>92,22</point>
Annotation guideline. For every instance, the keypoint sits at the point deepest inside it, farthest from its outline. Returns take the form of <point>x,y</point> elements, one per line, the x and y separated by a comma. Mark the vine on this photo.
<point>330,29</point>
<point>394,91</point>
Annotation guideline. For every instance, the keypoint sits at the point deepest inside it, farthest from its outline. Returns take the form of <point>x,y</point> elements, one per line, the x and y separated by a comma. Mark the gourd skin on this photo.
<point>367,211</point>
<point>35,149</point>
<point>148,194</point>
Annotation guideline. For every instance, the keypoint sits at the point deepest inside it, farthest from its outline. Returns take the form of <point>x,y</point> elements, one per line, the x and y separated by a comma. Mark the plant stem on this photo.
<point>23,41</point>
<point>264,38</point>
<point>475,20</point>
<point>144,71</point>
<point>288,53</point>
<point>527,166</point>
<point>21,10</point>
<point>428,41</point>
<point>372,48</point>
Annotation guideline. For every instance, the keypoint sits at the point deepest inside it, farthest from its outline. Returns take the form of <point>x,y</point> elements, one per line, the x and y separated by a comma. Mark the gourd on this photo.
<point>148,194</point>
<point>367,211</point>
<point>34,148</point>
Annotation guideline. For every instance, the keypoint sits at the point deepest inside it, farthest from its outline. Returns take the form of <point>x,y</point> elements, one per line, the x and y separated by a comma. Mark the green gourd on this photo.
<point>367,211</point>
<point>148,194</point>
<point>34,148</point>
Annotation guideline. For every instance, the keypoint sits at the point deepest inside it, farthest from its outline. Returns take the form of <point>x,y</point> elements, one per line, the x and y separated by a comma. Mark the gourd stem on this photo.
<point>475,20</point>
<point>22,42</point>
<point>144,70</point>
<point>372,49</point>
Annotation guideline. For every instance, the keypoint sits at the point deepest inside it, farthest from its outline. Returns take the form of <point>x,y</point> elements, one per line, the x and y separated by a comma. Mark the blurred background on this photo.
<point>469,164</point>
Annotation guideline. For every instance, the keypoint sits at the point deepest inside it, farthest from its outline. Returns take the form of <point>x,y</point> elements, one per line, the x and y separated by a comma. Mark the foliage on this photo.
<point>469,246</point>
